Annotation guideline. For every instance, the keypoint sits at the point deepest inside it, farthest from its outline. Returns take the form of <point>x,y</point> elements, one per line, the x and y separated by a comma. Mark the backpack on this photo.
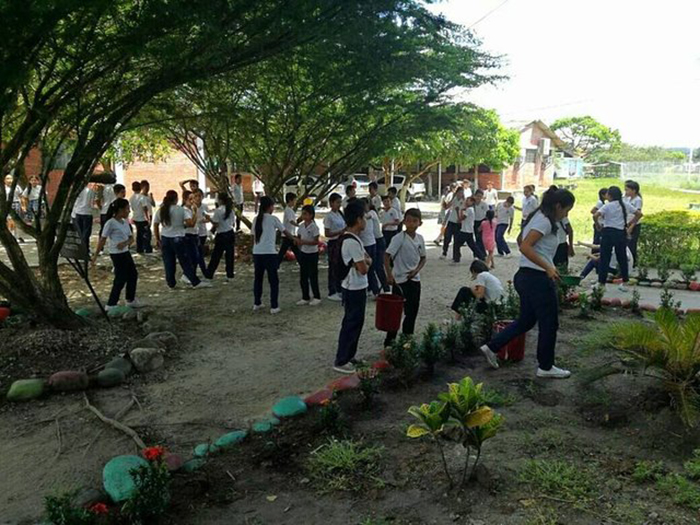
<point>342,269</point>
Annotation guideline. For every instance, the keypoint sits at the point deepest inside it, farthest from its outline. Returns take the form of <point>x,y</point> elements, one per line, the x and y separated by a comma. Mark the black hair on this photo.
<point>170,199</point>
<point>265,203</point>
<point>478,267</point>
<point>136,186</point>
<point>602,193</point>
<point>310,210</point>
<point>510,199</point>
<point>237,176</point>
<point>615,194</point>
<point>185,195</point>
<point>354,211</point>
<point>479,192</point>
<point>373,186</point>
<point>117,204</point>
<point>634,186</point>
<point>118,188</point>
<point>392,190</point>
<point>334,197</point>
<point>550,199</point>
<point>413,212</point>
<point>490,215</point>
<point>348,188</point>
<point>145,183</point>
<point>225,200</point>
<point>289,197</point>
<point>386,197</point>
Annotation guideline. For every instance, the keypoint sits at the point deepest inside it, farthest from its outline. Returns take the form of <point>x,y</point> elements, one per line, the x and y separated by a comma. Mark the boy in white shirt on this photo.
<point>350,193</point>
<point>403,261</point>
<point>505,213</point>
<point>238,200</point>
<point>374,198</point>
<point>490,196</point>
<point>395,202</point>
<point>355,260</point>
<point>390,219</point>
<point>333,228</point>
<point>290,222</point>
<point>307,240</point>
<point>82,214</point>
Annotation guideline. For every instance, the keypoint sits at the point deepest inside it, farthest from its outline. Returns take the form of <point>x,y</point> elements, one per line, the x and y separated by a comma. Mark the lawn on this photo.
<point>656,199</point>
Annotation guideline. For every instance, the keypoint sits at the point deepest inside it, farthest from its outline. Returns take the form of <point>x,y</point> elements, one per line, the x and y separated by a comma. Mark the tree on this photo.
<point>587,137</point>
<point>632,153</point>
<point>73,75</point>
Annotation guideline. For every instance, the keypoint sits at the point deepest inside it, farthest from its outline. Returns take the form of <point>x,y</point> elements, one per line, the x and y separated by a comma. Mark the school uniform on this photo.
<point>192,242</point>
<point>633,240</point>
<point>138,204</point>
<point>480,210</point>
<point>453,225</point>
<point>238,202</point>
<point>390,230</point>
<point>396,204</point>
<point>538,296</point>
<point>598,226</point>
<point>493,293</point>
<point>369,242</point>
<point>203,233</point>
<point>224,242</point>
<point>82,215</point>
<point>376,202</point>
<point>406,254</point>
<point>529,205</point>
<point>173,246</point>
<point>265,259</point>
<point>616,216</point>
<point>354,288</point>
<point>308,260</point>
<point>125,273</point>
<point>335,222</point>
<point>491,198</point>
<point>561,258</point>
<point>108,197</point>
<point>594,264</point>
<point>504,218</point>
<point>289,219</point>
<point>380,249</point>
<point>16,199</point>
<point>33,196</point>
<point>465,235</point>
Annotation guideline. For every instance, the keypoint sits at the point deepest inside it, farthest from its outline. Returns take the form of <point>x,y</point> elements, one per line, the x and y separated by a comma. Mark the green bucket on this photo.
<point>571,280</point>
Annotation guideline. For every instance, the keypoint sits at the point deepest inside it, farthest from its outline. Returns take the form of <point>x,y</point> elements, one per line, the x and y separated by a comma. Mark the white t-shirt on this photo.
<point>223,225</point>
<point>457,204</point>
<point>352,251</point>
<point>529,205</point>
<point>389,216</point>
<point>376,225</point>
<point>237,192</point>
<point>468,192</point>
<point>334,222</point>
<point>290,221</point>
<point>598,206</point>
<point>83,205</point>
<point>491,197</point>
<point>493,286</point>
<point>258,186</point>
<point>630,260</point>
<point>367,235</point>
<point>176,228</point>
<point>480,210</point>
<point>613,217</point>
<point>201,223</point>
<point>108,197</point>
<point>635,202</point>
<point>406,254</point>
<point>266,244</point>
<point>308,233</point>
<point>137,204</point>
<point>396,204</point>
<point>116,231</point>
<point>376,202</point>
<point>468,222</point>
<point>33,193</point>
<point>17,195</point>
<point>546,247</point>
<point>561,230</point>
<point>193,230</point>
<point>504,215</point>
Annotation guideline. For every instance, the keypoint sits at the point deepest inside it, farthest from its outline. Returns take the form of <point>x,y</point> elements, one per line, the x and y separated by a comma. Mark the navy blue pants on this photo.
<point>224,244</point>
<point>480,249</point>
<point>333,251</point>
<point>174,250</point>
<point>613,239</point>
<point>143,237</point>
<point>501,244</point>
<point>125,274</point>
<point>461,239</point>
<point>83,225</point>
<point>388,235</point>
<point>308,275</point>
<point>286,245</point>
<point>354,302</point>
<point>372,277</point>
<point>379,267</point>
<point>270,264</point>
<point>193,250</point>
<point>633,241</point>
<point>538,306</point>
<point>452,230</point>
<point>410,290</point>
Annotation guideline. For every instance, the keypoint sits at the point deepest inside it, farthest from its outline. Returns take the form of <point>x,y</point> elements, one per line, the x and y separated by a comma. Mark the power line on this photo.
<point>489,13</point>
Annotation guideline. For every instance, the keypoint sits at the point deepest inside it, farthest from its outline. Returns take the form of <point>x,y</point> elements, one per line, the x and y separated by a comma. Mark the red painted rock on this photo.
<point>606,301</point>
<point>289,256</point>
<point>693,311</point>
<point>318,398</point>
<point>382,364</point>
<point>617,281</point>
<point>626,303</point>
<point>173,462</point>
<point>647,308</point>
<point>68,381</point>
<point>615,302</point>
<point>4,313</point>
<point>694,286</point>
<point>345,383</point>
<point>573,298</point>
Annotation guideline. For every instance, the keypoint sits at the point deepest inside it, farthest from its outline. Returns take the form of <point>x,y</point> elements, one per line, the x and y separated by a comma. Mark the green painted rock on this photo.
<point>266,425</point>
<point>118,311</point>
<point>69,381</point>
<point>117,479</point>
<point>204,449</point>
<point>26,389</point>
<point>124,365</point>
<point>193,464</point>
<point>230,439</point>
<point>289,407</point>
<point>110,377</point>
<point>83,312</point>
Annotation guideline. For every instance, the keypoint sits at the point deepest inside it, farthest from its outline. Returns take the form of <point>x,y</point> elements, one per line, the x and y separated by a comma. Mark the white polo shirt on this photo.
<point>176,228</point>
<point>290,221</point>
<point>480,210</point>
<point>613,217</point>
<point>529,205</point>
<point>546,247</point>
<point>367,235</point>
<point>468,222</point>
<point>137,204</point>
<point>406,253</point>
<point>116,232</point>
<point>491,197</point>
<point>389,216</point>
<point>493,286</point>
<point>223,224</point>
<point>32,193</point>
<point>352,251</point>
<point>308,233</point>
<point>334,222</point>
<point>266,244</point>
<point>504,215</point>
<point>456,205</point>
<point>83,205</point>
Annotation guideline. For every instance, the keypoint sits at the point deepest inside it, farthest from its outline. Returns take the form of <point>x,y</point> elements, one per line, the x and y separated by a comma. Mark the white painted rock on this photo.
<point>146,359</point>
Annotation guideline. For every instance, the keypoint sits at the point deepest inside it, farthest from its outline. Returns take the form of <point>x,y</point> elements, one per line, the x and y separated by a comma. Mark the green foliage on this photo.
<point>642,273</point>
<point>403,356</point>
<point>597,295</point>
<point>431,348</point>
<point>634,302</point>
<point>151,498</point>
<point>330,418</point>
<point>369,383</point>
<point>60,511</point>
<point>688,272</point>
<point>632,153</point>
<point>666,300</point>
<point>346,466</point>
<point>509,304</point>
<point>692,466</point>
<point>670,239</point>
<point>587,137</point>
<point>681,490</point>
<point>584,303</point>
<point>559,479</point>
<point>453,340</point>
<point>663,271</point>
<point>499,398</point>
<point>645,471</point>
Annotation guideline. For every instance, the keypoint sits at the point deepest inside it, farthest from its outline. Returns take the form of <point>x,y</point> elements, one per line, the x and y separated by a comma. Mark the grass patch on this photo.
<point>559,479</point>
<point>692,466</point>
<point>645,471</point>
<point>346,466</point>
<point>681,490</point>
<point>499,398</point>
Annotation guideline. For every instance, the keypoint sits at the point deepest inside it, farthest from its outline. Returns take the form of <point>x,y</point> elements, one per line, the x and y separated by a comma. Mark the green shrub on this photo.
<point>403,356</point>
<point>431,349</point>
<point>671,236</point>
<point>60,511</point>
<point>346,466</point>
<point>681,490</point>
<point>647,471</point>
<point>692,466</point>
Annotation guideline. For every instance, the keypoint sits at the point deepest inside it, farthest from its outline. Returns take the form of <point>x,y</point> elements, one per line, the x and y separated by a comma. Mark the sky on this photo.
<point>632,64</point>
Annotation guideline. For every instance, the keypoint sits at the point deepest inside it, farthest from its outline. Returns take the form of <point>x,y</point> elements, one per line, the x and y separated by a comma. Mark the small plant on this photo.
<point>61,511</point>
<point>634,302</point>
<point>643,273</point>
<point>345,466</point>
<point>559,479</point>
<point>403,356</point>
<point>597,294</point>
<point>497,398</point>
<point>453,341</point>
<point>431,349</point>
<point>663,271</point>
<point>682,491</point>
<point>509,305</point>
<point>369,383</point>
<point>151,497</point>
<point>330,417</point>
<point>563,291</point>
<point>667,300</point>
<point>645,471</point>
<point>692,466</point>
<point>584,303</point>
<point>688,272</point>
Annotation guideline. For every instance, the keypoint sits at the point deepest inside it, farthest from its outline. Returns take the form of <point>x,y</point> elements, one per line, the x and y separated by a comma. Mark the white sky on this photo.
<point>632,64</point>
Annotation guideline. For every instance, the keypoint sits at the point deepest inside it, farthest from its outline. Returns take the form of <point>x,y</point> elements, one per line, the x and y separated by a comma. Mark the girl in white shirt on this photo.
<point>487,289</point>
<point>466,233</point>
<point>333,228</point>
<point>307,241</point>
<point>634,198</point>
<point>223,220</point>
<point>117,235</point>
<point>598,224</point>
<point>31,199</point>
<point>16,205</point>
<point>265,228</point>
<point>529,204</point>
<point>453,222</point>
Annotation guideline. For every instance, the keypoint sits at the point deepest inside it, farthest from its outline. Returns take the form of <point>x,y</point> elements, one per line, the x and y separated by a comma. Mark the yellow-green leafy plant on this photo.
<point>433,420</point>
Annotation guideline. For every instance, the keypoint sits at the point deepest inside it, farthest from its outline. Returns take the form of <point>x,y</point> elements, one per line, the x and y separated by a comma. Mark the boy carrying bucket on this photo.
<point>403,261</point>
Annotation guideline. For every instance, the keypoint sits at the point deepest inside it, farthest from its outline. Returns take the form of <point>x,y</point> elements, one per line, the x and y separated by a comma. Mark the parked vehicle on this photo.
<point>416,190</point>
<point>361,182</point>
<point>300,184</point>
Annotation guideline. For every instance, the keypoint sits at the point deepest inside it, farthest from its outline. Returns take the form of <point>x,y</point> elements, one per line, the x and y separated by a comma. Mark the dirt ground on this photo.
<point>233,364</point>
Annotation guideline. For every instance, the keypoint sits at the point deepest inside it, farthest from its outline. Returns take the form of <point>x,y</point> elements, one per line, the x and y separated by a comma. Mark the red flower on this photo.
<point>99,508</point>
<point>153,453</point>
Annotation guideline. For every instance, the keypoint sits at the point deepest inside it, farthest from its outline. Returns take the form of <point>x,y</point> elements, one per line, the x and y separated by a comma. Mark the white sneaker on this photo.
<point>442,257</point>
<point>108,308</point>
<point>257,307</point>
<point>185,280</point>
<point>203,284</point>
<point>623,288</point>
<point>135,303</point>
<point>314,302</point>
<point>347,368</point>
<point>274,311</point>
<point>454,263</point>
<point>335,297</point>
<point>302,302</point>
<point>553,373</point>
<point>490,356</point>
<point>508,256</point>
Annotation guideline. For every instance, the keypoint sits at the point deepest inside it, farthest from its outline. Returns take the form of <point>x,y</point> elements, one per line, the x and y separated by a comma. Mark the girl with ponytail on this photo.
<point>192,218</point>
<point>618,218</point>
<point>535,283</point>
<point>633,196</point>
<point>223,221</point>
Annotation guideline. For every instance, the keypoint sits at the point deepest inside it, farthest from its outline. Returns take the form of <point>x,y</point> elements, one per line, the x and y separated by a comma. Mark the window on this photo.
<point>530,155</point>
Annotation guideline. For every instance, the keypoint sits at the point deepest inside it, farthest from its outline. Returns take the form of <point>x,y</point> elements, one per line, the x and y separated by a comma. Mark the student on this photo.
<point>487,232</point>
<point>467,185</point>
<point>598,225</point>
<point>31,199</point>
<point>222,221</point>
<point>380,248</point>
<point>369,242</point>
<point>350,193</point>
<point>390,219</point>
<point>192,232</point>
<point>258,191</point>
<point>487,289</point>
<point>193,185</point>
<point>202,231</point>
<point>619,217</point>
<point>16,206</point>
<point>480,209</point>
<point>333,228</point>
<point>535,284</point>
<point>265,258</point>
<point>404,259</point>
<point>138,216</point>
<point>634,198</point>
<point>505,213</point>
<point>375,200</point>
<point>529,204</point>
<point>238,199</point>
<point>171,241</point>
<point>82,214</point>
<point>354,260</point>
<point>453,221</point>
<point>565,234</point>
<point>491,196</point>
<point>395,201</point>
<point>594,261</point>
<point>447,195</point>
<point>466,233</point>
<point>307,241</point>
<point>117,235</point>
<point>290,221</point>
<point>148,203</point>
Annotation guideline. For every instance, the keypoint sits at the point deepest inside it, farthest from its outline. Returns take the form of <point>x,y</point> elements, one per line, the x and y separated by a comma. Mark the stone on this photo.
<point>626,303</point>
<point>348,382</point>
<point>120,363</point>
<point>117,312</point>
<point>26,389</point>
<point>573,298</point>
<point>166,340</point>
<point>88,497</point>
<point>606,301</point>
<point>647,308</point>
<point>382,364</point>
<point>129,315</point>
<point>110,377</point>
<point>173,462</point>
<point>679,286</point>
<point>657,285</point>
<point>266,425</point>
<point>140,316</point>
<point>230,439</point>
<point>644,283</point>
<point>69,381</point>
<point>694,286</point>
<point>146,343</point>
<point>204,449</point>
<point>193,464</point>
<point>318,398</point>
<point>146,359</point>
<point>117,479</point>
<point>616,302</point>
<point>289,407</point>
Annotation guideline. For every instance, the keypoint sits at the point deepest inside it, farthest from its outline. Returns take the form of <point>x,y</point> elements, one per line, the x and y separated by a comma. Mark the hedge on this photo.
<point>671,238</point>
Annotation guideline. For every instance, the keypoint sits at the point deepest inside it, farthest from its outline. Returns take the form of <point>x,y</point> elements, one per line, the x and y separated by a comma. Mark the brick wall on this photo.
<point>162,176</point>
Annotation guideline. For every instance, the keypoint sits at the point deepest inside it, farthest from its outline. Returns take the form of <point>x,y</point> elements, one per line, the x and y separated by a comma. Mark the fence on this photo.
<point>666,174</point>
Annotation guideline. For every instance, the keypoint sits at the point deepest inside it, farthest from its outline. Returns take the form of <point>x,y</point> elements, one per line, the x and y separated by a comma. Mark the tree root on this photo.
<point>116,424</point>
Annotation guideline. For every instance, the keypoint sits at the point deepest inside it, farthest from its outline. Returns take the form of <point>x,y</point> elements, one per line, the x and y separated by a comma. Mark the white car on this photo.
<point>300,184</point>
<point>361,182</point>
<point>416,191</point>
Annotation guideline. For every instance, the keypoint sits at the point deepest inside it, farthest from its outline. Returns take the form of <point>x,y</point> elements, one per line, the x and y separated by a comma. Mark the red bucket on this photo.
<point>513,351</point>
<point>389,312</point>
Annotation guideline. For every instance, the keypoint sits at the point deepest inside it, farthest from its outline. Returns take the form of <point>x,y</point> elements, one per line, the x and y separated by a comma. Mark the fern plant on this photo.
<point>634,302</point>
<point>403,356</point>
<point>453,341</point>
<point>667,300</point>
<point>643,273</point>
<point>431,349</point>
